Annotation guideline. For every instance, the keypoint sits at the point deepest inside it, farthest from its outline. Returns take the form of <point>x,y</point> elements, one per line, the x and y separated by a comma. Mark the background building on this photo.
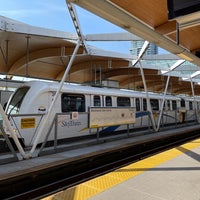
<point>136,46</point>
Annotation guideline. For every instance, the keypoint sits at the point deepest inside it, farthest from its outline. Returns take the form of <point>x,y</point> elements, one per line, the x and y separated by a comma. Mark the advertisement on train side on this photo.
<point>103,117</point>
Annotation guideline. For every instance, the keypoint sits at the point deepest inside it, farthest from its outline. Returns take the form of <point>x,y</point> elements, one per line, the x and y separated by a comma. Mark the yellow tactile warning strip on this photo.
<point>90,188</point>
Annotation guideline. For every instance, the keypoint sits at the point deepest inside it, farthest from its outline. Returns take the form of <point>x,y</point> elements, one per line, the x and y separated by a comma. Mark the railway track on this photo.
<point>53,179</point>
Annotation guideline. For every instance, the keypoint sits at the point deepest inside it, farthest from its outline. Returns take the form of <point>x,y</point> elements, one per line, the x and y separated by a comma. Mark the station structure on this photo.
<point>35,52</point>
<point>41,53</point>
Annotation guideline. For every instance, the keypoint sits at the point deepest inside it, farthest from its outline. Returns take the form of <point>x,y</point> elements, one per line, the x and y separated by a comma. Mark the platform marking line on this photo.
<point>97,185</point>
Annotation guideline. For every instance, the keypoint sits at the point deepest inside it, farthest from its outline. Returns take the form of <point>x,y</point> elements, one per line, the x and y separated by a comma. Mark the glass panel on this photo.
<point>16,101</point>
<point>154,104</point>
<point>174,105</point>
<point>108,101</point>
<point>137,104</point>
<point>123,101</point>
<point>144,104</point>
<point>72,102</point>
<point>97,100</point>
<point>190,105</point>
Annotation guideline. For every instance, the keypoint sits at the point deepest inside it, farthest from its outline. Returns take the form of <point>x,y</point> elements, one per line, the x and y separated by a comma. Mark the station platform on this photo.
<point>171,175</point>
<point>155,177</point>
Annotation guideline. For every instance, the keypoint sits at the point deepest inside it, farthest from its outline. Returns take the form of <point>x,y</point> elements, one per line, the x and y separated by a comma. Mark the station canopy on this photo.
<point>42,53</point>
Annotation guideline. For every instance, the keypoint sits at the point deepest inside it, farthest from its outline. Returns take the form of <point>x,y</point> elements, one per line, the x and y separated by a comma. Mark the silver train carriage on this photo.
<point>30,103</point>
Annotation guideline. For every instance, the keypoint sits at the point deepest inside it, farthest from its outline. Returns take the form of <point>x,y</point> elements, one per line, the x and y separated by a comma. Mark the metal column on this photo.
<point>195,102</point>
<point>148,99</point>
<point>144,48</point>
<point>40,132</point>
<point>163,103</point>
<point>12,132</point>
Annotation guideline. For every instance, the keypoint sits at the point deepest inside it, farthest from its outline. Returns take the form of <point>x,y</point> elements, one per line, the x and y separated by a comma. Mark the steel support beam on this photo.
<point>12,132</point>
<point>73,13</point>
<point>195,102</point>
<point>46,118</point>
<point>147,97</point>
<point>163,103</point>
<point>142,51</point>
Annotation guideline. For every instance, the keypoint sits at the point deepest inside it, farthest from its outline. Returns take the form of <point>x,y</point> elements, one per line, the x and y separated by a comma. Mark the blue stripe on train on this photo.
<point>113,128</point>
<point>141,114</point>
<point>109,129</point>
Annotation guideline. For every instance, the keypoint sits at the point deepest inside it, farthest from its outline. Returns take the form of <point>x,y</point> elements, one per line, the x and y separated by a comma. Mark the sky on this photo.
<point>54,14</point>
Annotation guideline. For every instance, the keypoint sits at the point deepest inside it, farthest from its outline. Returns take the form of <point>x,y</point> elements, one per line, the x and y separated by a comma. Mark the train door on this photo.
<point>182,110</point>
<point>155,108</point>
<point>139,114</point>
<point>191,116</point>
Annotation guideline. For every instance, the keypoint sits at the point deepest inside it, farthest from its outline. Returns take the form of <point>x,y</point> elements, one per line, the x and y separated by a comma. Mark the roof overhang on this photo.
<point>42,53</point>
<point>148,19</point>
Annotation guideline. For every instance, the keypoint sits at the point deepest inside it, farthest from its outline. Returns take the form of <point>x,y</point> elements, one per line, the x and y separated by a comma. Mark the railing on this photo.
<point>13,154</point>
<point>54,132</point>
<point>34,125</point>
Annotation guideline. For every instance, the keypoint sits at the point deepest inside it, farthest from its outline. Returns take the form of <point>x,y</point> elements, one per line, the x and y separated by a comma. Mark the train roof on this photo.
<point>40,86</point>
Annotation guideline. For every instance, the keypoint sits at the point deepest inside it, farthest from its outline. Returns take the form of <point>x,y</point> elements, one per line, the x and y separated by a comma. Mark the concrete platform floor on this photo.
<point>171,175</point>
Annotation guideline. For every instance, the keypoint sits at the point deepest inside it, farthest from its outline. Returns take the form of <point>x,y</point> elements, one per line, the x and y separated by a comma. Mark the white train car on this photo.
<point>4,97</point>
<point>31,102</point>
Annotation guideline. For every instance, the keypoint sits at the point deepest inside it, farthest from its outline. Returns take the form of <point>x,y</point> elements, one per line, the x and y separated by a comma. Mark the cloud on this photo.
<point>42,13</point>
<point>19,9</point>
<point>20,13</point>
<point>59,6</point>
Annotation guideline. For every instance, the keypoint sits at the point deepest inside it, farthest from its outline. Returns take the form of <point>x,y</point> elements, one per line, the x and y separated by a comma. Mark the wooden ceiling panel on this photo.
<point>188,38</point>
<point>167,28</point>
<point>146,10</point>
<point>81,76</point>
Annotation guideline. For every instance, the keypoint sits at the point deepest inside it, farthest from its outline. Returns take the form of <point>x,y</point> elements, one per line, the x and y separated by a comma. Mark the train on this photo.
<point>4,97</point>
<point>29,104</point>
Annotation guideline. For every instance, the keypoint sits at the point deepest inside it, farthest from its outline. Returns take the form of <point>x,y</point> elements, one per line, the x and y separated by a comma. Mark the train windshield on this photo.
<point>15,102</point>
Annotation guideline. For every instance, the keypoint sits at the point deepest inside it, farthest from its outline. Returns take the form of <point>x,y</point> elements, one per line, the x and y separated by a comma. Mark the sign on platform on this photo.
<point>103,117</point>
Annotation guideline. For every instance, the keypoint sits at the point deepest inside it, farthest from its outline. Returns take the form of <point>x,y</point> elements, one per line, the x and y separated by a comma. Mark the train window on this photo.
<point>97,100</point>
<point>144,104</point>
<point>167,105</point>
<point>182,103</point>
<point>16,101</point>
<point>154,104</point>
<point>190,105</point>
<point>108,101</point>
<point>198,105</point>
<point>137,104</point>
<point>73,102</point>
<point>123,101</point>
<point>174,105</point>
